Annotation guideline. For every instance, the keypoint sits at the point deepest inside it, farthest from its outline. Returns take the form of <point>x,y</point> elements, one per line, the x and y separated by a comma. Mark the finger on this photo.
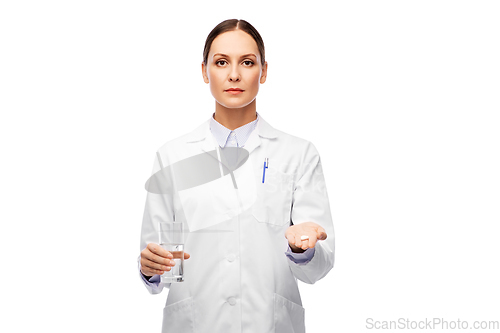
<point>154,268</point>
<point>312,241</point>
<point>156,258</point>
<point>162,255</point>
<point>150,268</point>
<point>158,250</point>
<point>305,241</point>
<point>291,238</point>
<point>151,272</point>
<point>177,254</point>
<point>186,255</point>
<point>298,242</point>
<point>305,244</point>
<point>157,265</point>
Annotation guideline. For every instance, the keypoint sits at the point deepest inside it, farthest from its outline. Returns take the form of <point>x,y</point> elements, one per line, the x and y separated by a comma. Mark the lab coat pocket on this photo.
<point>178,317</point>
<point>274,197</point>
<point>288,316</point>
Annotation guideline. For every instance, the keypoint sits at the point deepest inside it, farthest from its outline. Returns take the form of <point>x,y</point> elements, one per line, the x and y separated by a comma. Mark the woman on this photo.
<point>256,231</point>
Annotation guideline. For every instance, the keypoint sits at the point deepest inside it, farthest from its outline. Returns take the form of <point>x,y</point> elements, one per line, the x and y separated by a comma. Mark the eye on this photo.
<point>248,62</point>
<point>219,61</point>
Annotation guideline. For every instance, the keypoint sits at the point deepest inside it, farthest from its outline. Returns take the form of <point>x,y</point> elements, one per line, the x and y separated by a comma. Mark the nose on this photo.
<point>234,76</point>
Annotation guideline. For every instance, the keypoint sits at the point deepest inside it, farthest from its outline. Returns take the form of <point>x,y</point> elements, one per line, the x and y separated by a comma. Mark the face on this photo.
<point>234,62</point>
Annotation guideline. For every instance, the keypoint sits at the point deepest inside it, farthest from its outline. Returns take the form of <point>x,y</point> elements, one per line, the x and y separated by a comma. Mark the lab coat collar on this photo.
<point>262,130</point>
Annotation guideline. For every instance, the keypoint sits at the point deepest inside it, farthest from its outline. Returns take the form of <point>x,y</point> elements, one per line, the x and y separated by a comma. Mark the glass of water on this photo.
<point>171,238</point>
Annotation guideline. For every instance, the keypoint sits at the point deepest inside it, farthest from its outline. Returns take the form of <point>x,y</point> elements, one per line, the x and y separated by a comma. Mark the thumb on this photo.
<point>321,234</point>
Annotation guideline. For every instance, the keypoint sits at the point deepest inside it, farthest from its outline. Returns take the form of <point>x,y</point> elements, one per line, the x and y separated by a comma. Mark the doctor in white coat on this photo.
<point>249,235</point>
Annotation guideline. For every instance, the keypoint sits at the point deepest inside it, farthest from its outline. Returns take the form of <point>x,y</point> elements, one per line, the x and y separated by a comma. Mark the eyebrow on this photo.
<point>243,56</point>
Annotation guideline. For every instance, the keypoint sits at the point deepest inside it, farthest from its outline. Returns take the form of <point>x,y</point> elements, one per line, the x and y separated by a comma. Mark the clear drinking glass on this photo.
<point>171,238</point>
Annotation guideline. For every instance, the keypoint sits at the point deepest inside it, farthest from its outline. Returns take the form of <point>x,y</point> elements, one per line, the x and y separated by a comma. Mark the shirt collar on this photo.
<point>263,129</point>
<point>223,134</point>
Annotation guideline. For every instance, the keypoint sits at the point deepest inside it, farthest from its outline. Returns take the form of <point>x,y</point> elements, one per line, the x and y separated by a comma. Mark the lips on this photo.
<point>234,91</point>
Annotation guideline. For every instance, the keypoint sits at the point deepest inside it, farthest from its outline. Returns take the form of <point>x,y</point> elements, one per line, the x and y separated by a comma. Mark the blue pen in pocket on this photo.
<point>266,165</point>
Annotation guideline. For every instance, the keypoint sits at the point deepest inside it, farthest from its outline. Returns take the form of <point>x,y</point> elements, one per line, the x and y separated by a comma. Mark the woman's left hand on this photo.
<point>310,229</point>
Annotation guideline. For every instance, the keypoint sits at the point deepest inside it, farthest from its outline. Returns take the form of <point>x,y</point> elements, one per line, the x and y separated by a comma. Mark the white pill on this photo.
<point>304,237</point>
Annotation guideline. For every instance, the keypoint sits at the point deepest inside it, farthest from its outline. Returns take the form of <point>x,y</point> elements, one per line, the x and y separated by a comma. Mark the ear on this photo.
<point>263,76</point>
<point>204,72</point>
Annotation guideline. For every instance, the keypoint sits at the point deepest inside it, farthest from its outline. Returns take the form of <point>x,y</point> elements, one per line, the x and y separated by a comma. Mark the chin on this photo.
<point>235,104</point>
<point>239,106</point>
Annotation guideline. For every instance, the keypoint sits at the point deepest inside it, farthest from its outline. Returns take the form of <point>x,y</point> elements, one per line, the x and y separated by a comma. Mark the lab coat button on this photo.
<point>231,301</point>
<point>231,257</point>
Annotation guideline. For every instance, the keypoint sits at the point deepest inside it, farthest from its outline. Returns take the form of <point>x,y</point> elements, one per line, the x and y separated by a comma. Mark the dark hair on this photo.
<point>231,25</point>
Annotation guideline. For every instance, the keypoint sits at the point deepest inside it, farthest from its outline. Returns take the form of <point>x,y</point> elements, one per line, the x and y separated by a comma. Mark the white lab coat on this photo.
<point>238,278</point>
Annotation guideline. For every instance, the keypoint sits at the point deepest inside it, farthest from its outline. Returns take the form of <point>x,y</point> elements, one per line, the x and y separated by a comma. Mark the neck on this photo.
<point>234,118</point>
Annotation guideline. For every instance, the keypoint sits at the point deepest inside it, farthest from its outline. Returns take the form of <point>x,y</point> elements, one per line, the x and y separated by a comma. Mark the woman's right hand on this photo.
<point>157,260</point>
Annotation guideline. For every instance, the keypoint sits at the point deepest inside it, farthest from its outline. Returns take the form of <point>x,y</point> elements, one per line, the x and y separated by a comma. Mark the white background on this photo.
<point>401,98</point>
